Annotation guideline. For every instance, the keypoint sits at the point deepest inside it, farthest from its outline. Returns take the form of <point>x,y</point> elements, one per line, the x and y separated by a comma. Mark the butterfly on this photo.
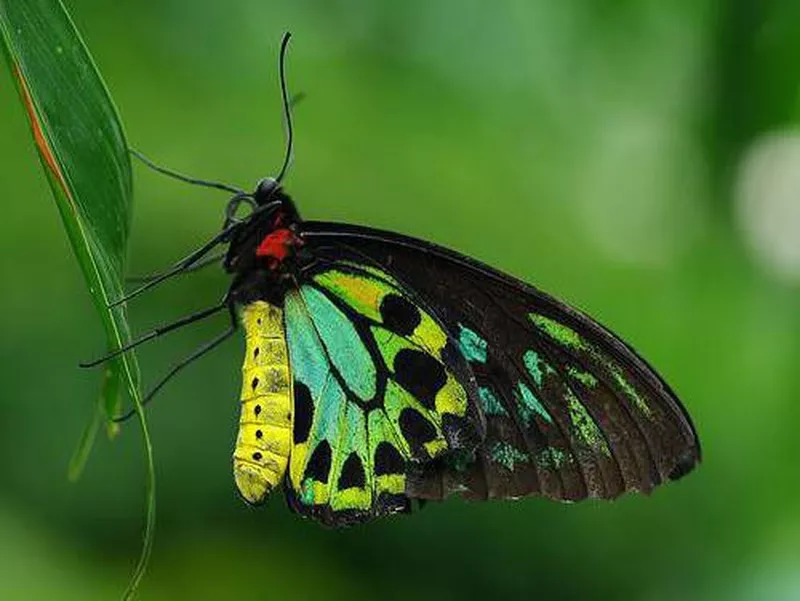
<point>381,369</point>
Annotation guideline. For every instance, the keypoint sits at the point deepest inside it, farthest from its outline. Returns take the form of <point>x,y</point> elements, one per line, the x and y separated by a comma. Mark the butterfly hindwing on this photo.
<point>380,387</point>
<point>571,411</point>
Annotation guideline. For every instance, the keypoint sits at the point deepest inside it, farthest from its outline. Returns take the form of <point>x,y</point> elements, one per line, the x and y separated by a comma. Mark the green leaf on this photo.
<point>110,389</point>
<point>83,150</point>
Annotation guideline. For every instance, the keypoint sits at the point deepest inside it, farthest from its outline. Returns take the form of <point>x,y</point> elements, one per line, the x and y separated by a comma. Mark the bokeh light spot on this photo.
<point>767,195</point>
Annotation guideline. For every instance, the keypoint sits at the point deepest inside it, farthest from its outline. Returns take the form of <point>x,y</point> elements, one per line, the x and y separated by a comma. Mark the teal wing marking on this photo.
<point>345,348</point>
<point>559,423</point>
<point>381,388</point>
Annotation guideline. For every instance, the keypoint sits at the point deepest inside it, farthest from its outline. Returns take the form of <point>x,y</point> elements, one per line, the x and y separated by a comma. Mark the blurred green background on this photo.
<point>639,159</point>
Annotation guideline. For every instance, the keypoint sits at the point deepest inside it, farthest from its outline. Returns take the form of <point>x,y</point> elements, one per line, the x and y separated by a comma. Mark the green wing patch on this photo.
<point>562,420</point>
<point>379,387</point>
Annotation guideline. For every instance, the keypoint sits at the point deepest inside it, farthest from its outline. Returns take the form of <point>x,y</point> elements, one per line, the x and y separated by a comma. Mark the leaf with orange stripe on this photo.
<point>82,148</point>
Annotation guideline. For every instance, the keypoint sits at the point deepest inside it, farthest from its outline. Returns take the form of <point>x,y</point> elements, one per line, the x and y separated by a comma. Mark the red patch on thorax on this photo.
<point>277,244</point>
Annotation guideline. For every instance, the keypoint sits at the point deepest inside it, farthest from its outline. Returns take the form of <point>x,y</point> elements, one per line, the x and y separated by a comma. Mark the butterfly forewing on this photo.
<point>571,411</point>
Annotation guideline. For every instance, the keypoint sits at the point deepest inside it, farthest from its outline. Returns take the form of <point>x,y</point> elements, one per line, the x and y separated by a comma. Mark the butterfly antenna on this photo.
<point>287,108</point>
<point>207,347</point>
<point>182,322</point>
<point>181,177</point>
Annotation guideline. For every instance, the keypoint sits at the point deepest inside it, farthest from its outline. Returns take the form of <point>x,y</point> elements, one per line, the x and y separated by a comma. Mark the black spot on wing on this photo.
<point>303,412</point>
<point>352,475</point>
<point>319,465</point>
<point>416,430</point>
<point>399,315</point>
<point>420,374</point>
<point>388,460</point>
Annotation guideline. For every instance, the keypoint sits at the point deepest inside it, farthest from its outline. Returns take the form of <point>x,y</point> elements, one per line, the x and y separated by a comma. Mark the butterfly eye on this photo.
<point>266,188</point>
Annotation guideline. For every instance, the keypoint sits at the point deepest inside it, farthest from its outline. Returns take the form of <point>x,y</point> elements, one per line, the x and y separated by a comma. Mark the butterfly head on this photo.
<point>263,243</point>
<point>265,190</point>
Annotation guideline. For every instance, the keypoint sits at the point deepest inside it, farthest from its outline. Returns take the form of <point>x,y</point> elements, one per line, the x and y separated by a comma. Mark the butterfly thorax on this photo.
<point>265,253</point>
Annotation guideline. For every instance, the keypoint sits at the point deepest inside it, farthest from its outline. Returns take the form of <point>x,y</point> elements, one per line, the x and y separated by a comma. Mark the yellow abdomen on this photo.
<point>265,427</point>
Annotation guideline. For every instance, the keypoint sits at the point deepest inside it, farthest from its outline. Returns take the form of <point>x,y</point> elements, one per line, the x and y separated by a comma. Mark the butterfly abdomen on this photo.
<point>265,426</point>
